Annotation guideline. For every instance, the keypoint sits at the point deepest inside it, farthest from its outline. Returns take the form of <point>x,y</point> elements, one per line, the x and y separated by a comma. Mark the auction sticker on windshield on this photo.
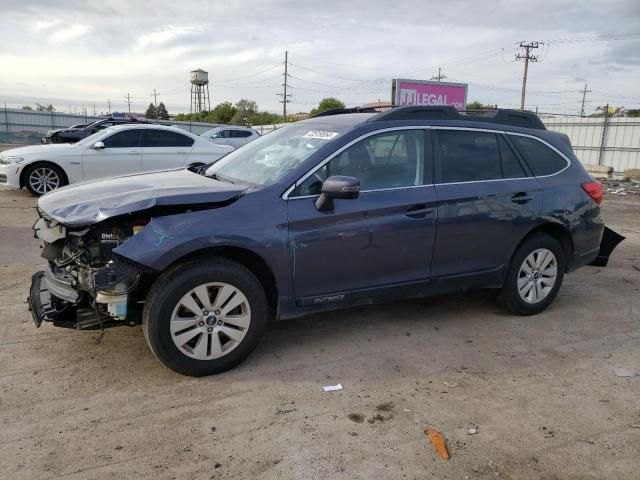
<point>320,134</point>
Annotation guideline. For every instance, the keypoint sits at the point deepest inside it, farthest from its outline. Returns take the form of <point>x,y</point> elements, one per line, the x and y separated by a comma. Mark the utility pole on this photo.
<point>284,95</point>
<point>94,110</point>
<point>584,94</point>
<point>128,97</point>
<point>440,75</point>
<point>527,57</point>
<point>109,106</point>
<point>155,97</point>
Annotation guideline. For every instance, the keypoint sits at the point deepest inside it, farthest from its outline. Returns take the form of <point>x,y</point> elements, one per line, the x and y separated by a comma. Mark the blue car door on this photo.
<point>383,238</point>
<point>488,202</point>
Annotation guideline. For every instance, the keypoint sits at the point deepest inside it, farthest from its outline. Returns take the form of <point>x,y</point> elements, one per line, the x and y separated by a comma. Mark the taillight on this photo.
<point>594,190</point>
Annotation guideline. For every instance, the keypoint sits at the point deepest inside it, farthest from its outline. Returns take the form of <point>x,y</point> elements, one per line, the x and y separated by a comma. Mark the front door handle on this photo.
<point>418,211</point>
<point>521,198</point>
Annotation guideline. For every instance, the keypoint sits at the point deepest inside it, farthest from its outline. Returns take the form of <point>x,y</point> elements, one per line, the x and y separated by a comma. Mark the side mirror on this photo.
<point>345,188</point>
<point>98,146</point>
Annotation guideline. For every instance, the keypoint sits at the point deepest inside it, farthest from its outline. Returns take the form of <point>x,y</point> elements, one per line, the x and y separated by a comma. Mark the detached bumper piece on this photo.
<point>39,300</point>
<point>610,240</point>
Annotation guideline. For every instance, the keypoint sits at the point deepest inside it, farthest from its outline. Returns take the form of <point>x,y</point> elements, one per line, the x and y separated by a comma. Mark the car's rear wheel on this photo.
<point>42,178</point>
<point>205,316</point>
<point>535,275</point>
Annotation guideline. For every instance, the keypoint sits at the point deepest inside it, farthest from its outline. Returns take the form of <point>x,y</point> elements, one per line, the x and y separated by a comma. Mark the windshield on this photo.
<point>270,157</point>
<point>91,139</point>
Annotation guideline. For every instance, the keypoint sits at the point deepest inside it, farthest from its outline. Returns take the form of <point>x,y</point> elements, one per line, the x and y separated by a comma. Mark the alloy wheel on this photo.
<point>43,180</point>
<point>538,275</point>
<point>210,320</point>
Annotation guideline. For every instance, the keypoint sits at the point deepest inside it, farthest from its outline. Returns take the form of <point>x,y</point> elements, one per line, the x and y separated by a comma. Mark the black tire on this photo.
<point>510,296</point>
<point>39,169</point>
<point>176,282</point>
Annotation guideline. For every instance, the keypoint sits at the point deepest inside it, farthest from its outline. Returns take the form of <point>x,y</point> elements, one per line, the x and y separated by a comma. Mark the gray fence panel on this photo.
<point>617,144</point>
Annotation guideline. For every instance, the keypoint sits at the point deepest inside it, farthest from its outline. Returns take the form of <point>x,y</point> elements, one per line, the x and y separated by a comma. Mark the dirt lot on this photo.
<point>541,391</point>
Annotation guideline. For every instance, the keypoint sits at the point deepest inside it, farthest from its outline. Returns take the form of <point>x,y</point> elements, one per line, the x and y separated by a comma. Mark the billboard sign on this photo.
<point>424,92</point>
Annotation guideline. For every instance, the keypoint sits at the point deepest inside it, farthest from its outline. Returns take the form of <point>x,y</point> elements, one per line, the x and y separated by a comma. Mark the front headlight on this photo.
<point>7,160</point>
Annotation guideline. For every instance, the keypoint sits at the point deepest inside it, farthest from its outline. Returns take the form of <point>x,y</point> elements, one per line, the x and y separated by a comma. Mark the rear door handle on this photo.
<point>521,197</point>
<point>418,211</point>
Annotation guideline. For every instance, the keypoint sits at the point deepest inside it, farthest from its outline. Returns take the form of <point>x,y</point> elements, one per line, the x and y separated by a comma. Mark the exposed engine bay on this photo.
<point>83,286</point>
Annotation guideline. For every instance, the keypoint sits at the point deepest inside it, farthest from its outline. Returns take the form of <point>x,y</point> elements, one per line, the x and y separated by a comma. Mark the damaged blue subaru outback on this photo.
<point>347,208</point>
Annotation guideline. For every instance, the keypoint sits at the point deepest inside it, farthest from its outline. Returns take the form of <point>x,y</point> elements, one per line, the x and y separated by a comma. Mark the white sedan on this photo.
<point>117,150</point>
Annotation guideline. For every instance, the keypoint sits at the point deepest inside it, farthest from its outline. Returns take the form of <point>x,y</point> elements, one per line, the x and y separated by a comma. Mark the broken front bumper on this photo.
<point>40,301</point>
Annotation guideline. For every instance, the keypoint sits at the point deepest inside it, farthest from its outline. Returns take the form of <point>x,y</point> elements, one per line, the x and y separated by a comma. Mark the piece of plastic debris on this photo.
<point>438,442</point>
<point>451,385</point>
<point>623,372</point>
<point>332,388</point>
<point>406,410</point>
<point>472,431</point>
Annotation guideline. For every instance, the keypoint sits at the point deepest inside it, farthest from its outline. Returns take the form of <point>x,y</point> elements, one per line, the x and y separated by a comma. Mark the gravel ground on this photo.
<point>541,392</point>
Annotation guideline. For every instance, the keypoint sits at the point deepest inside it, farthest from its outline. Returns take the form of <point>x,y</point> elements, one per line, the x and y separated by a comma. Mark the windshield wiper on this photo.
<point>217,176</point>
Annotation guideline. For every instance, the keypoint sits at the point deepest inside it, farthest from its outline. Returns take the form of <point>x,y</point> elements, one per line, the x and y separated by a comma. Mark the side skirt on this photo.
<point>337,300</point>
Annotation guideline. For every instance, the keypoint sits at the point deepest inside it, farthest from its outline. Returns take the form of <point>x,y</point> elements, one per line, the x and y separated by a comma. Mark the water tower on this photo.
<point>199,91</point>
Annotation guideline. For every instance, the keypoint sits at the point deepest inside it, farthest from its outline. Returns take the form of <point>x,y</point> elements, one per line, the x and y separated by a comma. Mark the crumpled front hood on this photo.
<point>91,202</point>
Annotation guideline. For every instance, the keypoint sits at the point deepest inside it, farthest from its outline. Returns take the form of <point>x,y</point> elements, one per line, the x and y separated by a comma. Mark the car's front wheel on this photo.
<point>205,316</point>
<point>42,178</point>
<point>535,275</point>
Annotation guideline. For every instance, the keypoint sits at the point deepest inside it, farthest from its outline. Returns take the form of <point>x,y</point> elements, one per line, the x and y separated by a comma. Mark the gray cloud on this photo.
<point>100,50</point>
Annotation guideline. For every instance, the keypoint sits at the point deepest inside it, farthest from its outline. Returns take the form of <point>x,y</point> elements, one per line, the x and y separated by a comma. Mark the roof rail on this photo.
<point>442,112</point>
<point>340,111</point>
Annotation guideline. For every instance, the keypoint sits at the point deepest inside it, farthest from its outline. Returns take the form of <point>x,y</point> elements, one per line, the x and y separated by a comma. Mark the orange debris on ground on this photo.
<point>438,442</point>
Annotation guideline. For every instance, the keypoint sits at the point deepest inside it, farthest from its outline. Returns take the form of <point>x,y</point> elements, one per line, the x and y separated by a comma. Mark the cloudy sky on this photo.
<point>75,53</point>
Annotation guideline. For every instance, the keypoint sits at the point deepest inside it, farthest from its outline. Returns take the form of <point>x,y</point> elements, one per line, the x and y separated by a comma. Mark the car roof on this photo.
<point>126,126</point>
<point>344,120</point>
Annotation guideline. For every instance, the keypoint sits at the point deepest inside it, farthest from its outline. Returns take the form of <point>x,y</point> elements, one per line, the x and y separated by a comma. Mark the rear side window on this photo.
<point>165,138</point>
<point>123,139</point>
<point>467,156</point>
<point>541,159</point>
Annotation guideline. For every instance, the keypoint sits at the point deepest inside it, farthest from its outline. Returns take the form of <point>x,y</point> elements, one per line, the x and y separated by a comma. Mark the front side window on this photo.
<point>123,139</point>
<point>269,158</point>
<point>165,138</point>
<point>467,156</point>
<point>541,159</point>
<point>386,160</point>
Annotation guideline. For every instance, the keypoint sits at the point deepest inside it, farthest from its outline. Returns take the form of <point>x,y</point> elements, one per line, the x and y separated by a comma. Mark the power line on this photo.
<point>527,57</point>
<point>440,76</point>
<point>225,80</point>
<point>284,95</point>
<point>155,97</point>
<point>584,94</point>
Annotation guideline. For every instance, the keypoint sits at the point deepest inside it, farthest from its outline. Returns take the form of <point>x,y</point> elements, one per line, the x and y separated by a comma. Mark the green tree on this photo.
<point>264,118</point>
<point>162,112</point>
<point>222,113</point>
<point>245,109</point>
<point>45,108</point>
<point>633,112</point>
<point>152,111</point>
<point>27,107</point>
<point>329,103</point>
<point>476,105</point>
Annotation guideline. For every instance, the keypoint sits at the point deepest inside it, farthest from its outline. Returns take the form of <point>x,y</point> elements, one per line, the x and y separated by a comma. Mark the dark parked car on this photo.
<point>78,132</point>
<point>339,210</point>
